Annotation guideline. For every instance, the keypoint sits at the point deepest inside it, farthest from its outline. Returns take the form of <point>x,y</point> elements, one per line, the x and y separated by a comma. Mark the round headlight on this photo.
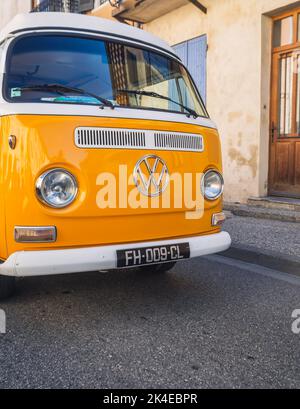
<point>212,185</point>
<point>57,188</point>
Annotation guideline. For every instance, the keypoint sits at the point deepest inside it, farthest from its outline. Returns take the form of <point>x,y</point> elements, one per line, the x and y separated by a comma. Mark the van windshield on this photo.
<point>123,75</point>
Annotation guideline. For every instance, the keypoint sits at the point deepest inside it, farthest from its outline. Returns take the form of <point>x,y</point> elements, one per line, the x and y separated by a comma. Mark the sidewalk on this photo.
<point>271,243</point>
<point>257,212</point>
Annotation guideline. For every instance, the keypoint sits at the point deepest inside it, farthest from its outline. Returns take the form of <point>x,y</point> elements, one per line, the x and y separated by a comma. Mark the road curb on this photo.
<point>262,213</point>
<point>284,263</point>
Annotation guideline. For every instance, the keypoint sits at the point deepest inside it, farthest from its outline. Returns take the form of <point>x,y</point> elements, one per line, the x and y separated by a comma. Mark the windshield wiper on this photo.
<point>156,95</point>
<point>64,89</point>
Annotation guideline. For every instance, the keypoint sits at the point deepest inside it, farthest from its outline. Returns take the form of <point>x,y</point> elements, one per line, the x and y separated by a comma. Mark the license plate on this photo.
<point>152,255</point>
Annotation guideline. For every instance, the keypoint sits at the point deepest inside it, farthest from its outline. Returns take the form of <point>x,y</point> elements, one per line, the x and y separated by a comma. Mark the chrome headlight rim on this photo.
<point>39,184</point>
<point>207,172</point>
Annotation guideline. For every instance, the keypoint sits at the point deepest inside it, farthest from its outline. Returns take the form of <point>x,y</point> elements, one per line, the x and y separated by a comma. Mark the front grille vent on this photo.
<point>180,142</point>
<point>109,138</point>
<point>118,138</point>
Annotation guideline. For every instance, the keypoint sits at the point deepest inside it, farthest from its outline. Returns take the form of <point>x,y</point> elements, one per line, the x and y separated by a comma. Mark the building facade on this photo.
<point>9,8</point>
<point>244,57</point>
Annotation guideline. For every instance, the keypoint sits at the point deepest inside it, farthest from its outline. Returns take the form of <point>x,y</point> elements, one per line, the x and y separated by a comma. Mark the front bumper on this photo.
<point>51,262</point>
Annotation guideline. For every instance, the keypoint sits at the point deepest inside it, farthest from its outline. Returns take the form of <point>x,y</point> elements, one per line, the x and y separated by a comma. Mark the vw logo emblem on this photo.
<point>151,175</point>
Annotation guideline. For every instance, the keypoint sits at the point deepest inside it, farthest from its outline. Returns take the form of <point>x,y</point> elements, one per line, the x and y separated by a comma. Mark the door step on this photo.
<point>265,209</point>
<point>272,202</point>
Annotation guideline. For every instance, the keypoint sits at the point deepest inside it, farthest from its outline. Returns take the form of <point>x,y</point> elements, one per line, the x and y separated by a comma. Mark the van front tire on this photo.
<point>7,286</point>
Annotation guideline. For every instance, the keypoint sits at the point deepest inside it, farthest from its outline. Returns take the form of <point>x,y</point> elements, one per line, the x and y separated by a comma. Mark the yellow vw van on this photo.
<point>108,156</point>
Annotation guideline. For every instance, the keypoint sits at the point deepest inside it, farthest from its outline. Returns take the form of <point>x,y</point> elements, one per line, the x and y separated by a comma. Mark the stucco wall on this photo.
<point>9,8</point>
<point>238,82</point>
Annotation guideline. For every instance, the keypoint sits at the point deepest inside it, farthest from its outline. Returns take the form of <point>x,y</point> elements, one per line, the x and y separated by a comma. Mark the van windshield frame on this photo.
<point>70,59</point>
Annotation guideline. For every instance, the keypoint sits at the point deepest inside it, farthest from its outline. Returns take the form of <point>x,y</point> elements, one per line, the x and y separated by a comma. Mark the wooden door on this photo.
<point>284,175</point>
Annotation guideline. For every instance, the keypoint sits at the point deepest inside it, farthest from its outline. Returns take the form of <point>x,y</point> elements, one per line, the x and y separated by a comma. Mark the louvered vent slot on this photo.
<point>109,138</point>
<point>181,142</point>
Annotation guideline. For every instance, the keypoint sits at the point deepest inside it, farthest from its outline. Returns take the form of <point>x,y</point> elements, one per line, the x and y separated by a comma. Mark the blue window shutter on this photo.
<point>197,53</point>
<point>182,51</point>
<point>193,54</point>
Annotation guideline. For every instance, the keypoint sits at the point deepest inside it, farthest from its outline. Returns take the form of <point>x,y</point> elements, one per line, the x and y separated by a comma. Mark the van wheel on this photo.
<point>7,286</point>
<point>157,268</point>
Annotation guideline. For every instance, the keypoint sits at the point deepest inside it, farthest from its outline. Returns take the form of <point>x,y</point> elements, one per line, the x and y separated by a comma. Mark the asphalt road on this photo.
<point>205,324</point>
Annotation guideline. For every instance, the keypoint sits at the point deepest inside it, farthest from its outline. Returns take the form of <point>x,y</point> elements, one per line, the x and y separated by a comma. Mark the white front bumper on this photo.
<point>50,262</point>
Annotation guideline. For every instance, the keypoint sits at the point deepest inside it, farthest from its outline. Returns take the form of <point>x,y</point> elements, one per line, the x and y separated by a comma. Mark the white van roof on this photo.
<point>79,22</point>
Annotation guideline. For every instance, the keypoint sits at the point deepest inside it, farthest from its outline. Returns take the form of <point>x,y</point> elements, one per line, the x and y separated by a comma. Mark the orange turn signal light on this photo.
<point>40,234</point>
<point>218,219</point>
